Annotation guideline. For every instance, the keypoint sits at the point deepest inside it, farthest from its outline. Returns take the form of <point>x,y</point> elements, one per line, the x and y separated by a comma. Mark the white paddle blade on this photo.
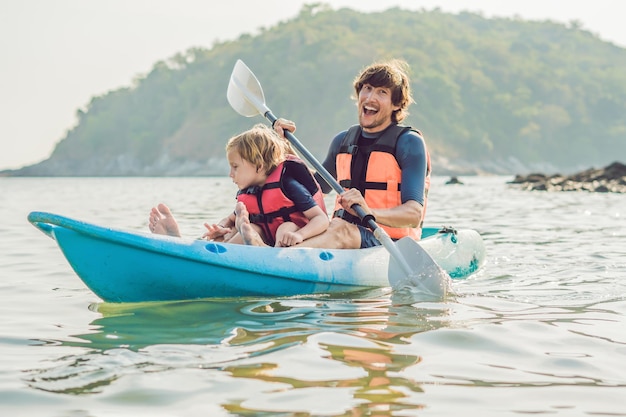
<point>244,93</point>
<point>426,277</point>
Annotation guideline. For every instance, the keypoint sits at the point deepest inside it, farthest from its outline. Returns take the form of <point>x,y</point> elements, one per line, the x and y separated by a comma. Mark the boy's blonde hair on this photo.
<point>260,146</point>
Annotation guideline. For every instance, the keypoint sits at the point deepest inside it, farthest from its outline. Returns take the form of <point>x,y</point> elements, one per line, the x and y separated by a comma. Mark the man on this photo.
<point>384,167</point>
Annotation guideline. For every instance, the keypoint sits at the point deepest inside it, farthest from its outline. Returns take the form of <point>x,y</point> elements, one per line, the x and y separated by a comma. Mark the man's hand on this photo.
<point>280,125</point>
<point>351,197</point>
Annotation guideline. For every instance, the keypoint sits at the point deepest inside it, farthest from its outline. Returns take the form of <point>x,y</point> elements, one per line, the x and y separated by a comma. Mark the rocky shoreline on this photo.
<point>610,179</point>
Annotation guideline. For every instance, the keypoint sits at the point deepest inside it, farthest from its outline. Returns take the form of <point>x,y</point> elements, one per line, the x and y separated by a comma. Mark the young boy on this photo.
<point>283,202</point>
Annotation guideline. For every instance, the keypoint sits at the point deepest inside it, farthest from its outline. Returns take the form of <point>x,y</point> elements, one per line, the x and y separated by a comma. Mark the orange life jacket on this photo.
<point>269,206</point>
<point>377,174</point>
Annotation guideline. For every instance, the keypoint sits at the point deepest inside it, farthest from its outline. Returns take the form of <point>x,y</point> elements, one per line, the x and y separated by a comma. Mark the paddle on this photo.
<point>410,265</point>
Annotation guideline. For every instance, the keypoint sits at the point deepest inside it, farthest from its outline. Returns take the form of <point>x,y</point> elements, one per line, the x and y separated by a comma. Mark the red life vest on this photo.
<point>377,174</point>
<point>269,206</point>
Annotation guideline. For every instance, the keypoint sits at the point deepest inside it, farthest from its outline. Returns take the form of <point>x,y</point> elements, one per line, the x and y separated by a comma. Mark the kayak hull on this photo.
<point>128,266</point>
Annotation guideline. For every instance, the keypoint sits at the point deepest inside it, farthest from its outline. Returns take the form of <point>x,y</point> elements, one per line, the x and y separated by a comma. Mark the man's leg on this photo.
<point>162,222</point>
<point>339,235</point>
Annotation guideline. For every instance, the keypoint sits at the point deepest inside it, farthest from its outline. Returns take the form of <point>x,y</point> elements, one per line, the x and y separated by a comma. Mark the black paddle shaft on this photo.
<point>367,219</point>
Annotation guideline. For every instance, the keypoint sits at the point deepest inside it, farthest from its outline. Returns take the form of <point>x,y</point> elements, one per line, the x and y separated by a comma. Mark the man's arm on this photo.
<point>330,162</point>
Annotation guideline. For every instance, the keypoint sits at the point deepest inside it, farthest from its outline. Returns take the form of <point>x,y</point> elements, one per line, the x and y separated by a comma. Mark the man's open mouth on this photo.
<point>368,110</point>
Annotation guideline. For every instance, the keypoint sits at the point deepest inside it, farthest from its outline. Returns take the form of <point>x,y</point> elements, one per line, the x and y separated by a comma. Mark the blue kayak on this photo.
<point>131,266</point>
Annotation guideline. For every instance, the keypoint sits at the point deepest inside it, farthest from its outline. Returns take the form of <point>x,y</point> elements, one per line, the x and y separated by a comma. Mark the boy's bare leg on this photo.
<point>248,233</point>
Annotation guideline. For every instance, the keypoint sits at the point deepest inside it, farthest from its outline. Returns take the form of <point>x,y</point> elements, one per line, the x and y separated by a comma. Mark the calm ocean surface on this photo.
<point>540,330</point>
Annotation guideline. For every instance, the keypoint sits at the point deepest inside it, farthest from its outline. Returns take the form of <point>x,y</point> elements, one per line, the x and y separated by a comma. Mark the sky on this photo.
<point>58,54</point>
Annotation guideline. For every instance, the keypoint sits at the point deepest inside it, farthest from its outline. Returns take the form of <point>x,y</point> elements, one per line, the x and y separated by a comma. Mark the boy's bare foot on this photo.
<point>242,223</point>
<point>162,222</point>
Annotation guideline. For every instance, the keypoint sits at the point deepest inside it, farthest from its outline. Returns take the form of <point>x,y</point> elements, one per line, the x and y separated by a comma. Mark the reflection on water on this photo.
<point>354,340</point>
<point>538,331</point>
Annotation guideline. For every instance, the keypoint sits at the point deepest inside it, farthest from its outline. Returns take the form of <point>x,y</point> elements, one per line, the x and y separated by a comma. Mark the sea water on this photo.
<point>539,330</point>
